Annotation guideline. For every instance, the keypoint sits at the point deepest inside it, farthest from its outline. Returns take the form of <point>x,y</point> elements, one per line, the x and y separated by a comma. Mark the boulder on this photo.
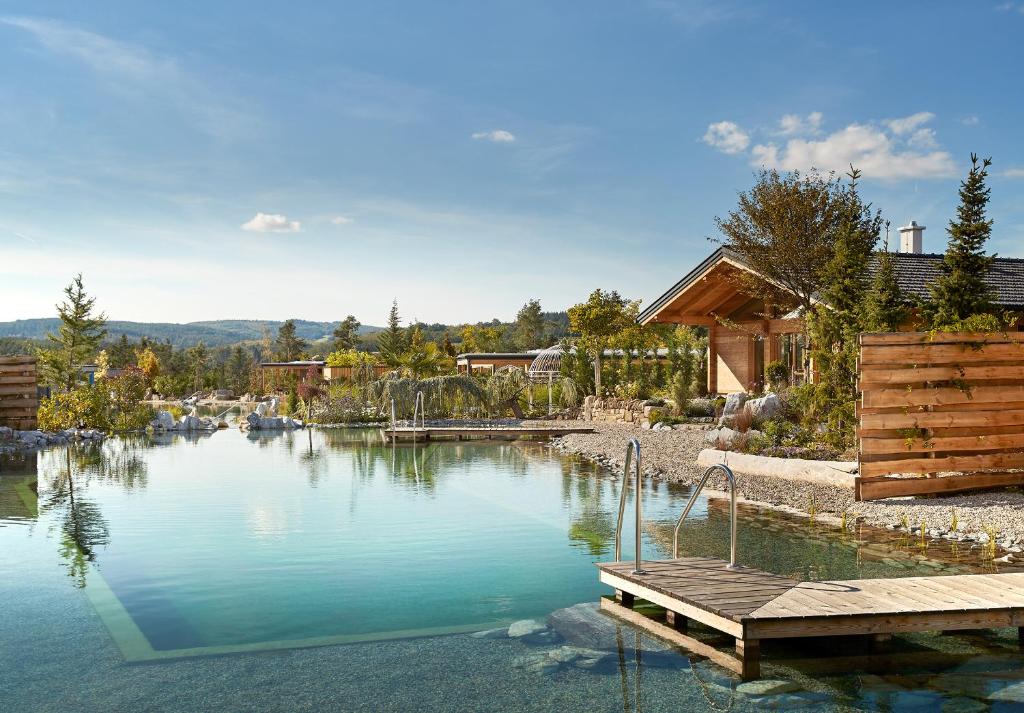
<point>253,420</point>
<point>164,421</point>
<point>525,627</point>
<point>584,625</point>
<point>733,403</point>
<point>764,407</point>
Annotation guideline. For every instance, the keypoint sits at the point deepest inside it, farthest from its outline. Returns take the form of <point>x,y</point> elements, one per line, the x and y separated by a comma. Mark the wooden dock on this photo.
<point>753,606</point>
<point>459,433</point>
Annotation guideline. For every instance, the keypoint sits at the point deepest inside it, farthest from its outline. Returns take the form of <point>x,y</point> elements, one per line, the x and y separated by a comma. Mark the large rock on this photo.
<point>525,627</point>
<point>733,403</point>
<point>164,421</point>
<point>764,407</point>
<point>585,626</point>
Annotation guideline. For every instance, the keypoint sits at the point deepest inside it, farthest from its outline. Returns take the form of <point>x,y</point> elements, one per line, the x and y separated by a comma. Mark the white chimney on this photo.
<point>911,238</point>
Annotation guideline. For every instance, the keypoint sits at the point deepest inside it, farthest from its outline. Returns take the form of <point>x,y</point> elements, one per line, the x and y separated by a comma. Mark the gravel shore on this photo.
<point>672,455</point>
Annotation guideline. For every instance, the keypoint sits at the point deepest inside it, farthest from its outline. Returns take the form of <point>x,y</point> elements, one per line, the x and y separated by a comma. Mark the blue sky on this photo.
<point>239,159</point>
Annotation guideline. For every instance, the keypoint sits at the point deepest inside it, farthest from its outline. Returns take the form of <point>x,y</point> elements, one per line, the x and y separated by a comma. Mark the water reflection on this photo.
<point>82,526</point>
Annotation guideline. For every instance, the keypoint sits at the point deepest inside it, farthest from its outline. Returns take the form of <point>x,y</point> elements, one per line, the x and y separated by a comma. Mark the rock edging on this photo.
<point>822,472</point>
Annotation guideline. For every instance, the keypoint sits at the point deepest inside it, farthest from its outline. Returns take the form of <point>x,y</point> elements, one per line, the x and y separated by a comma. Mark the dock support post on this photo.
<point>749,653</point>
<point>675,620</point>
<point>626,599</point>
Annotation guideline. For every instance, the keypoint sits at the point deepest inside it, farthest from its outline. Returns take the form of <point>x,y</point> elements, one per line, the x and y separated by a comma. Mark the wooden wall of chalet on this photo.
<point>938,404</point>
<point>19,400</point>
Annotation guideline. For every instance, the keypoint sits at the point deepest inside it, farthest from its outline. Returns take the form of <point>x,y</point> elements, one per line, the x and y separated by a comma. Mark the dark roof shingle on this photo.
<point>915,271</point>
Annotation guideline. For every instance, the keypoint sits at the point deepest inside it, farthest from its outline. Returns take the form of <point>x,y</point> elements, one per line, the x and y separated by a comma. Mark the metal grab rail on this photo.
<point>632,447</point>
<point>420,407</point>
<point>732,511</point>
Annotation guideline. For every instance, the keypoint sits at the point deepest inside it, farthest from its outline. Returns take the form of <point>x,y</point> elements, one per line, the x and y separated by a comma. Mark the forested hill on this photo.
<point>212,333</point>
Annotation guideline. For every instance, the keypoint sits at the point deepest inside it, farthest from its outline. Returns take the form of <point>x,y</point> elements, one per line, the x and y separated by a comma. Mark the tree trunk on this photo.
<point>597,373</point>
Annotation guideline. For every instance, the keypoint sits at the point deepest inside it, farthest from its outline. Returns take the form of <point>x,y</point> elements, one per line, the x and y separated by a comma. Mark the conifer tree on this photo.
<point>392,342</point>
<point>886,307</point>
<point>961,291</point>
<point>76,340</point>
<point>346,334</point>
<point>289,344</point>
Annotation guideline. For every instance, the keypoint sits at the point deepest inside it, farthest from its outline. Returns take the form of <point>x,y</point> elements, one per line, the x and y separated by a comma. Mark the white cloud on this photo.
<point>341,220</point>
<point>792,124</point>
<point>1014,173</point>
<point>272,223</point>
<point>727,137</point>
<point>923,139</point>
<point>498,136</point>
<point>908,123</point>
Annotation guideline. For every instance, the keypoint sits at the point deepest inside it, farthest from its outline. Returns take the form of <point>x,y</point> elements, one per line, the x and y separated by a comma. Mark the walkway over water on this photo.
<point>751,605</point>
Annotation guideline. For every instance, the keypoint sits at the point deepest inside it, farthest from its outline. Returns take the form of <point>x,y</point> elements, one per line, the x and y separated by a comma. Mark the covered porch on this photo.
<point>742,338</point>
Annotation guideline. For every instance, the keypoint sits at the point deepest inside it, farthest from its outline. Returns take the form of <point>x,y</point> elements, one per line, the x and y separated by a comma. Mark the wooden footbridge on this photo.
<point>753,606</point>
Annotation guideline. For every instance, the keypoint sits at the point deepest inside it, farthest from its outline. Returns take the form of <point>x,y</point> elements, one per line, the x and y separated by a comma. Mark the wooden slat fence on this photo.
<point>939,403</point>
<point>19,400</point>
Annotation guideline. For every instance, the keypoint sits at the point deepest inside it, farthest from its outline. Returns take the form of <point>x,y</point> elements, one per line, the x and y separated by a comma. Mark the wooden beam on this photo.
<point>877,489</point>
<point>937,354</point>
<point>945,395</point>
<point>948,464</point>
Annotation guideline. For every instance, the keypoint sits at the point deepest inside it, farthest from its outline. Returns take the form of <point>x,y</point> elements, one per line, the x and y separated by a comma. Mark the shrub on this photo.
<point>681,391</point>
<point>777,374</point>
<point>700,408</point>
<point>87,406</point>
<point>126,391</point>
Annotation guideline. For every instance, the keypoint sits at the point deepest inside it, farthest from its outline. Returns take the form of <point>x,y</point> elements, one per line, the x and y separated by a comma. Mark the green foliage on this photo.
<point>978,323</point>
<point>125,413</point>
<point>77,339</point>
<point>528,331</point>
<point>346,334</point>
<point>961,290</point>
<point>785,228</point>
<point>598,320</point>
<point>350,357</point>
<point>289,345</point>
<point>681,388</point>
<point>392,341</point>
<point>886,307</point>
<point>776,373</point>
<point>87,406</point>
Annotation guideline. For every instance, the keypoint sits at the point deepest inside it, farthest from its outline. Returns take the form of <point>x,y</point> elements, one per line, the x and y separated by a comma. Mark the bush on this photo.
<point>700,408</point>
<point>86,406</point>
<point>343,409</point>
<point>681,391</point>
<point>126,391</point>
<point>776,373</point>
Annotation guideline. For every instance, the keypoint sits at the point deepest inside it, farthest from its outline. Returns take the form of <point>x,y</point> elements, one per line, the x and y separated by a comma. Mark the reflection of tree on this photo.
<point>83,528</point>
<point>313,461</point>
<point>593,526</point>
<point>118,461</point>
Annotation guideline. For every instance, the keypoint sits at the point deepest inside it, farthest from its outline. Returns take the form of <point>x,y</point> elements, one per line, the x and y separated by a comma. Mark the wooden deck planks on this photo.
<point>779,606</point>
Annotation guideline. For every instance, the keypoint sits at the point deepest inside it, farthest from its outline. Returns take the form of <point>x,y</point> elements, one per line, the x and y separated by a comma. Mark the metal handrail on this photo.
<point>394,422</point>
<point>732,511</point>
<point>420,407</point>
<point>632,447</point>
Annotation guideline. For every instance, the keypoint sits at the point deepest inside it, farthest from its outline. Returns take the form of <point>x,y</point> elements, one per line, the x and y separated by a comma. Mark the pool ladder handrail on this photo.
<point>633,447</point>
<point>732,511</point>
<point>420,408</point>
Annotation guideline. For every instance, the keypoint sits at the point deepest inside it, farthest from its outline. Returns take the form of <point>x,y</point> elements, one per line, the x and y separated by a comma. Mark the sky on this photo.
<point>199,160</point>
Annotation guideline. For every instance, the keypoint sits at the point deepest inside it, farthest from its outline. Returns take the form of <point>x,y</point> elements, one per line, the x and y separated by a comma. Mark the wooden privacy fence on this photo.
<point>19,400</point>
<point>939,403</point>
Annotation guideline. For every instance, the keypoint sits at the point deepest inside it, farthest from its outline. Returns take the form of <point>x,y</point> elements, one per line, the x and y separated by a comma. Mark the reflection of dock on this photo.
<point>752,606</point>
<point>460,433</point>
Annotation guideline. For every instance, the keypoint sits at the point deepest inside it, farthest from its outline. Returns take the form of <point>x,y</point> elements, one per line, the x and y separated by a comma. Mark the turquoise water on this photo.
<point>326,570</point>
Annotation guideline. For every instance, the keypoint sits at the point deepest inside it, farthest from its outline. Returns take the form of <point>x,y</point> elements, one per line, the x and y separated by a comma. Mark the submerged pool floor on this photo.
<point>140,564</point>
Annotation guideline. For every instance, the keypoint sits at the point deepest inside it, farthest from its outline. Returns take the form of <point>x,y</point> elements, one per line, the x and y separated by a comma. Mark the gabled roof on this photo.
<point>915,271</point>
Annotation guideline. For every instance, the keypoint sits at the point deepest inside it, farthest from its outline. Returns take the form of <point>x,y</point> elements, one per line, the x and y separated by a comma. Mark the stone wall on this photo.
<point>613,409</point>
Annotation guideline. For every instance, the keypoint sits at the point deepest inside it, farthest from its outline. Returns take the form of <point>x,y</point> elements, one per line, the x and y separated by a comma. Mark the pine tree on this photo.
<point>886,307</point>
<point>289,344</point>
<point>392,342</point>
<point>529,326</point>
<point>961,291</point>
<point>346,334</point>
<point>76,340</point>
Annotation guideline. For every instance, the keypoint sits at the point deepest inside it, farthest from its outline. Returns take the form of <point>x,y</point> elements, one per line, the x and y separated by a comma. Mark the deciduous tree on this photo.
<point>597,321</point>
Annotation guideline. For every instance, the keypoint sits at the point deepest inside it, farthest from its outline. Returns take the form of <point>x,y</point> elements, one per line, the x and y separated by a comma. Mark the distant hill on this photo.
<point>212,333</point>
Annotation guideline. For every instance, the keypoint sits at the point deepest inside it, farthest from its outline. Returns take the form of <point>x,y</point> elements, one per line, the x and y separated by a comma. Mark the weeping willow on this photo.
<point>443,396</point>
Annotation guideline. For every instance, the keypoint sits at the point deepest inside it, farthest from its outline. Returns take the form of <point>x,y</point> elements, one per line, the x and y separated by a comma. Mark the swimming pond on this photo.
<point>327,569</point>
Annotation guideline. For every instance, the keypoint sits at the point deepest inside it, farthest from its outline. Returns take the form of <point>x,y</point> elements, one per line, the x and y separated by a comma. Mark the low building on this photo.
<point>741,339</point>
